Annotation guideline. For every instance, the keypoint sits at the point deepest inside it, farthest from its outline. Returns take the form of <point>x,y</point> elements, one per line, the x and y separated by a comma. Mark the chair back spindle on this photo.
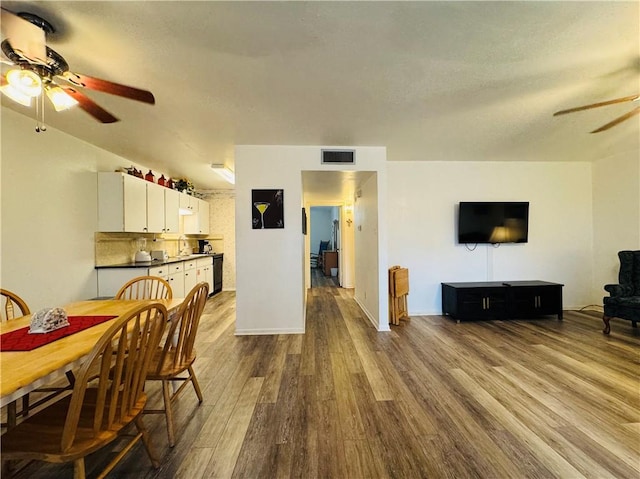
<point>145,287</point>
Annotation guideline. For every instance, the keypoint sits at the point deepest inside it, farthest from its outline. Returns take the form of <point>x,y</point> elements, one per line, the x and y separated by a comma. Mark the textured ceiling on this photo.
<point>431,81</point>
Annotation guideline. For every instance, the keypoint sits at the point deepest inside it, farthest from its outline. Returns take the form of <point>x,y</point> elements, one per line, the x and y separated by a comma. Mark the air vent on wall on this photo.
<point>342,157</point>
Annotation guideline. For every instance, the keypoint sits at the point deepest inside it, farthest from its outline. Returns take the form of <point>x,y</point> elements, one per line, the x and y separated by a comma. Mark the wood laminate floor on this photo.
<point>432,398</point>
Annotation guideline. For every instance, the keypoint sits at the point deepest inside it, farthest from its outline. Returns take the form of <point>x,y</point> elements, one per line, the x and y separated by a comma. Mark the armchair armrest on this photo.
<point>617,290</point>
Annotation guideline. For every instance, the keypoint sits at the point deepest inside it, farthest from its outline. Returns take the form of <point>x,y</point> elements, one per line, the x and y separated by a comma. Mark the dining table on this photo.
<point>24,371</point>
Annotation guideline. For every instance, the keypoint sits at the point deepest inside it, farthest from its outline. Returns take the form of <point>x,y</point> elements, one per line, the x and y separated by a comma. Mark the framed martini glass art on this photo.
<point>267,209</point>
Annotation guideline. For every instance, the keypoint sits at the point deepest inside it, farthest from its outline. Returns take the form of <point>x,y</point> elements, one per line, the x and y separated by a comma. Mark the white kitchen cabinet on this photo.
<point>198,222</point>
<point>160,271</point>
<point>205,271</point>
<point>171,211</point>
<point>155,208</point>
<point>188,203</point>
<point>122,203</point>
<point>203,216</point>
<point>133,205</point>
<point>190,275</point>
<point>176,279</point>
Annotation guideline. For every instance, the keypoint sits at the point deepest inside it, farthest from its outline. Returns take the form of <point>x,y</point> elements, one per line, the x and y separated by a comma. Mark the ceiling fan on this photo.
<point>36,68</point>
<point>612,123</point>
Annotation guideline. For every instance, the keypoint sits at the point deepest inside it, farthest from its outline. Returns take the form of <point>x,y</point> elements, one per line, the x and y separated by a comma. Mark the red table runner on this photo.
<point>21,340</point>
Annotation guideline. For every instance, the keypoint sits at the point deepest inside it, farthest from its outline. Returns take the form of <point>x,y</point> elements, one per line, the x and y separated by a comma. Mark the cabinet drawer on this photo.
<point>160,271</point>
<point>203,262</point>
<point>176,267</point>
<point>191,264</point>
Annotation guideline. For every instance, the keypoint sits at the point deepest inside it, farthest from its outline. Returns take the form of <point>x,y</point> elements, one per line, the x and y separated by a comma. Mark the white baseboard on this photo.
<point>263,332</point>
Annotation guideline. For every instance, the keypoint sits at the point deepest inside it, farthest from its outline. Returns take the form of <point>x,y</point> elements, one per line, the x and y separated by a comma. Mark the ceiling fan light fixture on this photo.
<point>25,81</point>
<point>224,172</point>
<point>60,100</point>
<point>16,95</point>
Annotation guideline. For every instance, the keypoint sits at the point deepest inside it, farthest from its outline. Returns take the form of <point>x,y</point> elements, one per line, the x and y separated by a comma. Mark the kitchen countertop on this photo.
<point>147,264</point>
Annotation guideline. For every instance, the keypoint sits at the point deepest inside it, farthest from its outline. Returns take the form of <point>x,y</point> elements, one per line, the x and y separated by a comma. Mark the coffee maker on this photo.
<point>204,247</point>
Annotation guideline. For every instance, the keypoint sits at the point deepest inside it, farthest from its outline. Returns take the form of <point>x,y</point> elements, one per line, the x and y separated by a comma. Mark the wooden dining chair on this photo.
<point>108,396</point>
<point>145,287</point>
<point>12,304</point>
<point>177,355</point>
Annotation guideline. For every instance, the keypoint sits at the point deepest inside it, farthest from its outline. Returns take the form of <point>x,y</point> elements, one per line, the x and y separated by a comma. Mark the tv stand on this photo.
<point>501,300</point>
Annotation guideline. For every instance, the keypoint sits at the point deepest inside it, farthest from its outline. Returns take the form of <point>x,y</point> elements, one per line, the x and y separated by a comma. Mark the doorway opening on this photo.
<point>325,245</point>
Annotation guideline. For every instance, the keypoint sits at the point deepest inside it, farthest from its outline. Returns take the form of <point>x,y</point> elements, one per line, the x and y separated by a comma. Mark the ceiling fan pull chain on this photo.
<point>40,126</point>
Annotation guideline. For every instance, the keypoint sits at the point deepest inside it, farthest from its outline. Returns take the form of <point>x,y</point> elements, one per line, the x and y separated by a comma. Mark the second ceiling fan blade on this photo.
<point>620,119</point>
<point>88,105</point>
<point>599,104</point>
<point>110,87</point>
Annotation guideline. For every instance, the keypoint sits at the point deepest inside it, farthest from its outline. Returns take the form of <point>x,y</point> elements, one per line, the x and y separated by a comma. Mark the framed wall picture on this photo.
<point>304,221</point>
<point>267,208</point>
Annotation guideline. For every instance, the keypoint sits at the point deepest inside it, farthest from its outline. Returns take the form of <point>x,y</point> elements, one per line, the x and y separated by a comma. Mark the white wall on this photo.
<point>270,295</point>
<point>48,212</point>
<point>368,267</point>
<point>616,216</point>
<point>422,229</point>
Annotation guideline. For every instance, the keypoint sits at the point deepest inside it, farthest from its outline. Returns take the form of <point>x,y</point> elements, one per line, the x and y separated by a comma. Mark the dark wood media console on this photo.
<point>501,300</point>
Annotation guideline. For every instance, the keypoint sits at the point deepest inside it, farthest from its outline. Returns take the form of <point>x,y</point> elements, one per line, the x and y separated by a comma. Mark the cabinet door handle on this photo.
<point>488,305</point>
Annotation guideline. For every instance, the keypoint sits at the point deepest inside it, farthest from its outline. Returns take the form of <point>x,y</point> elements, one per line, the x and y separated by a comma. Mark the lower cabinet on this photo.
<point>205,271</point>
<point>496,300</point>
<point>182,275</point>
<point>190,276</point>
<point>176,279</point>
<point>527,300</point>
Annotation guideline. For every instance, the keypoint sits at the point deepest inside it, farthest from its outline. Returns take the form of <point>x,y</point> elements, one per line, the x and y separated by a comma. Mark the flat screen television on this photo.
<point>493,222</point>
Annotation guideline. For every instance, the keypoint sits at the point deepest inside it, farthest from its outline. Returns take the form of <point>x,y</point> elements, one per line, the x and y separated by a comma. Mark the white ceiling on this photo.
<point>428,80</point>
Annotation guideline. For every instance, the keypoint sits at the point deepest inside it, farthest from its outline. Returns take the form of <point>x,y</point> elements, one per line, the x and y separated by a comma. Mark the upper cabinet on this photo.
<point>171,210</point>
<point>198,221</point>
<point>130,204</point>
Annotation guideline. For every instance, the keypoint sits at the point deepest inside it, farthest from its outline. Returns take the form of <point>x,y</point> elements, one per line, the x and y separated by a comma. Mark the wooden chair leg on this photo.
<point>168,412</point>
<point>25,405</point>
<point>78,469</point>
<point>11,414</point>
<point>146,440</point>
<point>196,386</point>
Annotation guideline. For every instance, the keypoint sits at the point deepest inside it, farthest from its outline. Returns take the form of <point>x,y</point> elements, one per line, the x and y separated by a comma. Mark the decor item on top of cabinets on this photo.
<point>184,185</point>
<point>268,209</point>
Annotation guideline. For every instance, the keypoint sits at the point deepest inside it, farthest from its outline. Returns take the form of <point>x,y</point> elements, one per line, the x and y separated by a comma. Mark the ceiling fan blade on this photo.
<point>620,119</point>
<point>26,37</point>
<point>88,105</point>
<point>596,105</point>
<point>109,87</point>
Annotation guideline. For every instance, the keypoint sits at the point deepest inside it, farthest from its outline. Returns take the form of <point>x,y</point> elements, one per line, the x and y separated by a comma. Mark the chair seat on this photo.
<point>39,436</point>
<point>168,369</point>
<point>632,301</point>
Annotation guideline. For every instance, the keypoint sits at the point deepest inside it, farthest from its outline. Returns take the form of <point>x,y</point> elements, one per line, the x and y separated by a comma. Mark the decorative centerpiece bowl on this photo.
<point>47,320</point>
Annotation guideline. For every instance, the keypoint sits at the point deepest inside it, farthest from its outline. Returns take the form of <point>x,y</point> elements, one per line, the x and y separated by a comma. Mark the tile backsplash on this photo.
<point>119,248</point>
